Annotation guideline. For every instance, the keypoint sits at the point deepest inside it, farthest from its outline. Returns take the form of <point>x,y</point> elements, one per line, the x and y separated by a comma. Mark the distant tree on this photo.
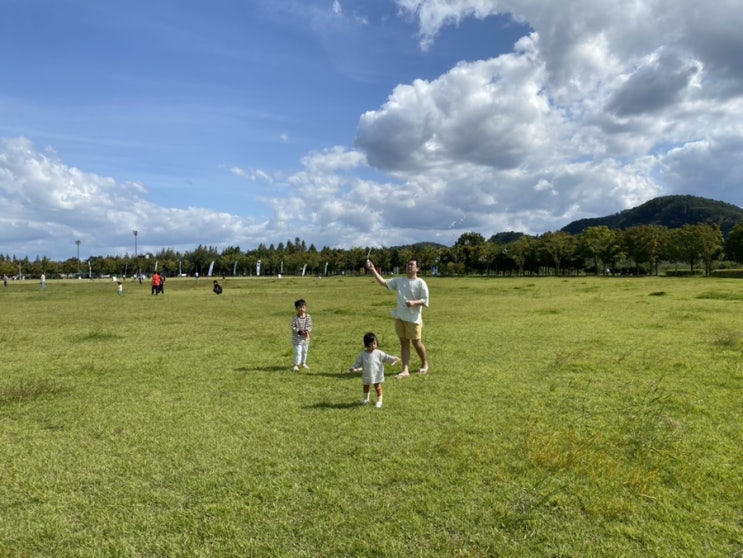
<point>521,250</point>
<point>356,259</point>
<point>468,249</point>
<point>22,267</point>
<point>334,258</point>
<point>227,259</point>
<point>428,255</point>
<point>8,268</point>
<point>505,237</point>
<point>311,258</point>
<point>401,256</point>
<point>446,259</point>
<point>108,265</point>
<point>600,244</point>
<point>261,251</point>
<point>486,256</point>
<point>734,244</point>
<point>202,258</point>
<point>503,263</point>
<point>300,245</point>
<point>693,243</point>
<point>169,261</point>
<point>560,247</point>
<point>646,244</point>
<point>712,241</point>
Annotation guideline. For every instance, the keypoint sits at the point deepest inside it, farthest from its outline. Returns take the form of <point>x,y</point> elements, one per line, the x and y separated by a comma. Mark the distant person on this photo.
<point>371,363</point>
<point>5,280</point>
<point>120,288</point>
<point>412,296</point>
<point>155,283</point>
<point>217,288</point>
<point>43,281</point>
<point>301,329</point>
<point>161,288</point>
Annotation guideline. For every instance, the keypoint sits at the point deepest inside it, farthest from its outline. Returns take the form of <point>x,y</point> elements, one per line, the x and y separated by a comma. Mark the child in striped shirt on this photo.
<point>301,328</point>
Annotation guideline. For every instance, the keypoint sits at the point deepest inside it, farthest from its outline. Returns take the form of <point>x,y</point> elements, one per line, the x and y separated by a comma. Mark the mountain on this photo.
<point>672,212</point>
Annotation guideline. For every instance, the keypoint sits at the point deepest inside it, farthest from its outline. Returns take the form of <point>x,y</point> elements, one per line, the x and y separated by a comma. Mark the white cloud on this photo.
<point>693,163</point>
<point>335,159</point>
<point>598,103</point>
<point>663,80</point>
<point>46,206</point>
<point>492,113</point>
<point>487,132</point>
<point>252,175</point>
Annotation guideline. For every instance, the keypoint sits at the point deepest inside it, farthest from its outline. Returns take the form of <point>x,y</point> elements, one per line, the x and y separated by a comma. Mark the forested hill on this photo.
<point>672,212</point>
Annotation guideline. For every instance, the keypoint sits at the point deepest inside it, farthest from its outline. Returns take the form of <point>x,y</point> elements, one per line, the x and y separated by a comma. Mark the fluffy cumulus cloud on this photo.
<point>45,203</point>
<point>601,106</point>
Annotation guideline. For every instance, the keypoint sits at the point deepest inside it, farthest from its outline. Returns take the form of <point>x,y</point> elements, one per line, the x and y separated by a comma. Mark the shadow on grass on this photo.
<point>326,405</point>
<point>720,296</point>
<point>337,375</point>
<point>244,369</point>
<point>96,336</point>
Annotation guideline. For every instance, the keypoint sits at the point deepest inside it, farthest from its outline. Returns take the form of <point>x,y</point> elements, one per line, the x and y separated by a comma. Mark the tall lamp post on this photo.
<point>78,257</point>
<point>136,232</point>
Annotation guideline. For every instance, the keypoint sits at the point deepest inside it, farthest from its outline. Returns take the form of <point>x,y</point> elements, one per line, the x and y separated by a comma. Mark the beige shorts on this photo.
<point>408,330</point>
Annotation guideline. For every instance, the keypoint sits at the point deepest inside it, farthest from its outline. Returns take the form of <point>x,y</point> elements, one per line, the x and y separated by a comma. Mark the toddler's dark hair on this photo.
<point>369,338</point>
<point>300,302</point>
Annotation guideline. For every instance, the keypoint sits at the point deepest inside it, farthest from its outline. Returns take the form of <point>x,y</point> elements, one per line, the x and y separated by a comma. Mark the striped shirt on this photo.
<point>303,323</point>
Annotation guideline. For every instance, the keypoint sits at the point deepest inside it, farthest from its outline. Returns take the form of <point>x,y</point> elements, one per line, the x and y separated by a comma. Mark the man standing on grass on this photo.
<point>412,296</point>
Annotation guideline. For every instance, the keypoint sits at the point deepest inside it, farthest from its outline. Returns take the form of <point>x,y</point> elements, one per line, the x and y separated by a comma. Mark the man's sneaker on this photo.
<point>304,365</point>
<point>296,369</point>
<point>378,404</point>
<point>364,401</point>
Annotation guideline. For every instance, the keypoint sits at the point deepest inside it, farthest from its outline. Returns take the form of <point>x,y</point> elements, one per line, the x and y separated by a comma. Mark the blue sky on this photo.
<point>354,123</point>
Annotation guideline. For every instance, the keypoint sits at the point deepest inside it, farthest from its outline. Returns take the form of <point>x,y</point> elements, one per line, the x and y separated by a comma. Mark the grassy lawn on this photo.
<point>561,417</point>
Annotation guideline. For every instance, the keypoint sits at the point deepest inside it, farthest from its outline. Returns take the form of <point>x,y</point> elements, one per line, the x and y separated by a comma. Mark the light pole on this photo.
<point>78,257</point>
<point>136,232</point>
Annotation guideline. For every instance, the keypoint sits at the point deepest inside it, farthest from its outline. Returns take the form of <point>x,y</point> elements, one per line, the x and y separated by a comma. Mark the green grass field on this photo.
<point>561,417</point>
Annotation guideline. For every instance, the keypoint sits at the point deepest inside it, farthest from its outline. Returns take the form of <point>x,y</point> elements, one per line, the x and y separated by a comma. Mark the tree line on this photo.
<point>636,250</point>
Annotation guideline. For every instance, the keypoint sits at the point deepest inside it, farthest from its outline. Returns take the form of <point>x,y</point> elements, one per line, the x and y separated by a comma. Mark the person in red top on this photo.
<point>156,282</point>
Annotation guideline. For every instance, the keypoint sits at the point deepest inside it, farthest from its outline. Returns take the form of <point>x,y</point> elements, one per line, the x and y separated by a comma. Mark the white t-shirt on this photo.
<point>409,289</point>
<point>372,366</point>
